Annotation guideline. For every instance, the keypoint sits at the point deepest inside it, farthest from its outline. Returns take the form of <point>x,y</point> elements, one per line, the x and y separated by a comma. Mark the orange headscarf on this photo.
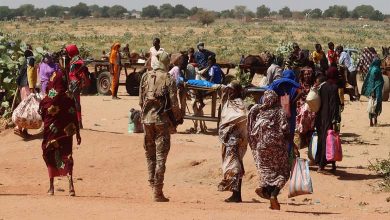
<point>114,52</point>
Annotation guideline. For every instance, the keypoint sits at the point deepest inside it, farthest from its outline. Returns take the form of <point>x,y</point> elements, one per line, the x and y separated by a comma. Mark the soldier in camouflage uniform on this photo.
<point>158,100</point>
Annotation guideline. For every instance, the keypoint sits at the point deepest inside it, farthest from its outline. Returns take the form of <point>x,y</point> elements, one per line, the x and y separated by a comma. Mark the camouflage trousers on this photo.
<point>157,144</point>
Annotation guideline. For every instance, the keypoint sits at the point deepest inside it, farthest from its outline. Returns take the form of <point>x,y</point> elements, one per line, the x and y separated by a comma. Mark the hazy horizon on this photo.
<point>217,5</point>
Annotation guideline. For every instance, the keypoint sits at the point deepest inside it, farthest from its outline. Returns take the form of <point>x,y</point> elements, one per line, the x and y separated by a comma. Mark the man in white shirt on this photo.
<point>346,60</point>
<point>153,52</point>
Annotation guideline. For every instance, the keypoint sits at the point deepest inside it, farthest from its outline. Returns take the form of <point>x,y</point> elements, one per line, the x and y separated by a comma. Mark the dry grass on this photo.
<point>229,38</point>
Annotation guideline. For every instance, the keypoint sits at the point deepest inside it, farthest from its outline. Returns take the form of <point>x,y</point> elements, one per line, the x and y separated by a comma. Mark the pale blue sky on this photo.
<point>218,5</point>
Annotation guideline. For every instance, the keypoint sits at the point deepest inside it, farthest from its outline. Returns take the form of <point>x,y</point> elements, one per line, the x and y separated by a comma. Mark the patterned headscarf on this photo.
<point>270,100</point>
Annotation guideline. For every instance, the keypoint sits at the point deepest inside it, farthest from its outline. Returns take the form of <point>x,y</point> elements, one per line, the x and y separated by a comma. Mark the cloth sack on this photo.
<point>313,99</point>
<point>26,114</point>
<point>371,107</point>
<point>305,119</point>
<point>285,102</point>
<point>334,151</point>
<point>313,147</point>
<point>135,125</point>
<point>300,181</point>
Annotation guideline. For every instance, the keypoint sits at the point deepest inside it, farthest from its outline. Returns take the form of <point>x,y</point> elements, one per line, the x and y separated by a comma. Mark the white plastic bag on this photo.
<point>371,107</point>
<point>26,114</point>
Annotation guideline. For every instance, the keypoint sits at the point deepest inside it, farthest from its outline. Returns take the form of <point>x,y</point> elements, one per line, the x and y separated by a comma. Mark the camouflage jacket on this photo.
<point>157,96</point>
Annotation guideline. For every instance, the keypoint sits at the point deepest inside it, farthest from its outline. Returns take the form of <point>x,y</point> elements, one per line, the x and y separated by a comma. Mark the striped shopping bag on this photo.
<point>300,181</point>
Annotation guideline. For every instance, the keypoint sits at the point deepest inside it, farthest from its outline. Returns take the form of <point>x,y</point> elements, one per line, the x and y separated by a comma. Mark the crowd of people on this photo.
<point>275,127</point>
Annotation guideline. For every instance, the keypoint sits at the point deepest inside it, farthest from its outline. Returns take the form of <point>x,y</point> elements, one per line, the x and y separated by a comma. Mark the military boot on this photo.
<point>158,194</point>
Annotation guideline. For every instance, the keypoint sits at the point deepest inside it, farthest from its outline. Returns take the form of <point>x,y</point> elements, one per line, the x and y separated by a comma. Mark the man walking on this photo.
<point>160,110</point>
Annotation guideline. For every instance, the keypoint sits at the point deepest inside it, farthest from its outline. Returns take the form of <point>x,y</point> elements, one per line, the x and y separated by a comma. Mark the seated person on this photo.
<point>202,55</point>
<point>213,73</point>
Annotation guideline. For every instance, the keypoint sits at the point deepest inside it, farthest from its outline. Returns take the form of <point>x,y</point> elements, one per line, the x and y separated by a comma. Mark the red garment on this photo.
<point>72,50</point>
<point>58,113</point>
<point>332,56</point>
<point>77,77</point>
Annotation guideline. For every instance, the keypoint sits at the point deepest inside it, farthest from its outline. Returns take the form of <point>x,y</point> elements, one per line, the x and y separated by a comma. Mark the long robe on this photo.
<point>268,131</point>
<point>373,86</point>
<point>233,136</point>
<point>58,112</point>
<point>328,114</point>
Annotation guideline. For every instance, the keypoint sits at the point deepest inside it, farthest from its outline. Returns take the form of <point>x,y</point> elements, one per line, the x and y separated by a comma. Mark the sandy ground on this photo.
<point>111,177</point>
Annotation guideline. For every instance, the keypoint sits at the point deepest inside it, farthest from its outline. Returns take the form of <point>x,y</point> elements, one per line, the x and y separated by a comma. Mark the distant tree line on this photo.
<point>180,11</point>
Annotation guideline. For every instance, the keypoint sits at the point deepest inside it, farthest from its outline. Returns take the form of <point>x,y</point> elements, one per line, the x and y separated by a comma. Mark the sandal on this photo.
<point>18,132</point>
<point>72,193</point>
<point>50,192</point>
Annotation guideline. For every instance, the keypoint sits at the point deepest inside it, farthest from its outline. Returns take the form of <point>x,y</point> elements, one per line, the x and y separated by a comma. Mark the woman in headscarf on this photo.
<point>372,88</point>
<point>268,136</point>
<point>233,136</point>
<point>77,77</point>
<point>58,111</point>
<point>305,118</point>
<point>287,86</point>
<point>46,68</point>
<point>115,64</point>
<point>328,116</point>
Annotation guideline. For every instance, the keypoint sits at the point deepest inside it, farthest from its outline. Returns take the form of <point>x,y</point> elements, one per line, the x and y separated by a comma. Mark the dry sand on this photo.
<point>111,177</point>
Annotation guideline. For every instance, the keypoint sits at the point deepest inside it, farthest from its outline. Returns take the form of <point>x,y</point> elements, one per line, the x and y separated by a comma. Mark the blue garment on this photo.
<point>287,85</point>
<point>215,74</point>
<point>201,58</point>
<point>201,83</point>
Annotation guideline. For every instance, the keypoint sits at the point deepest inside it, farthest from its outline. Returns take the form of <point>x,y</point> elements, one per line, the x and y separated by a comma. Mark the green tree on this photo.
<point>227,14</point>
<point>150,11</point>
<point>80,10</point>
<point>27,10</point>
<point>239,11</point>
<point>262,11</point>
<point>54,11</point>
<point>181,11</point>
<point>285,12</point>
<point>167,11</point>
<point>206,17</point>
<point>5,12</point>
<point>194,10</point>
<point>117,11</point>
<point>104,11</point>
<point>336,11</point>
<point>39,13</point>
<point>316,13</point>
<point>377,16</point>
<point>364,11</point>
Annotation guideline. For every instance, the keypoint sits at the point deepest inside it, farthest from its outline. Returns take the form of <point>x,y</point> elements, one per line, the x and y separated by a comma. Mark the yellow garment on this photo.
<point>114,53</point>
<point>115,64</point>
<point>317,56</point>
<point>32,76</point>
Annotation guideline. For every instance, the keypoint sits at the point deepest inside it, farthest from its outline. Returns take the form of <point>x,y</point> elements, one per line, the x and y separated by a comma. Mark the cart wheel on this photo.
<point>103,83</point>
<point>133,81</point>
